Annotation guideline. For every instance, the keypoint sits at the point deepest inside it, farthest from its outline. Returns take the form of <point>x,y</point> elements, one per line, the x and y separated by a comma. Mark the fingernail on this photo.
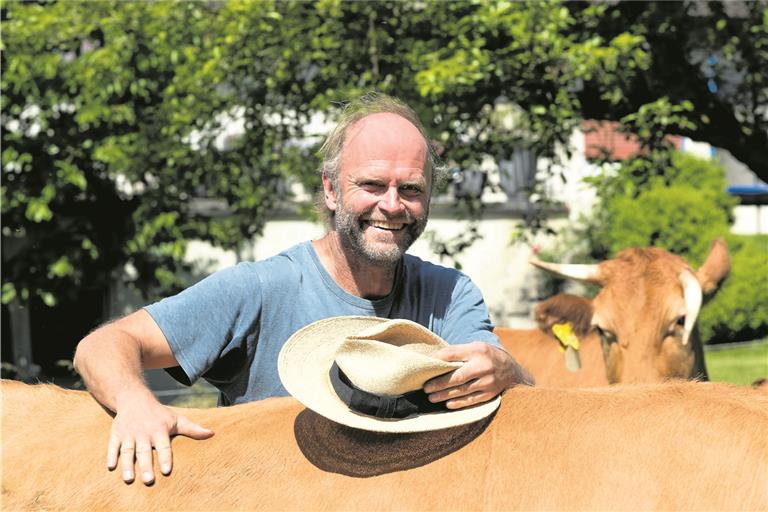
<point>127,476</point>
<point>165,468</point>
<point>147,477</point>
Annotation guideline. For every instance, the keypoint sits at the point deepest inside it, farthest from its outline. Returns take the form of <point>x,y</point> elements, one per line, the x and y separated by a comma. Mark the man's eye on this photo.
<point>411,189</point>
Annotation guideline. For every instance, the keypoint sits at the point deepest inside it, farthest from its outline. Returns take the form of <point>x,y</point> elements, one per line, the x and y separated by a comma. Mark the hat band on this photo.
<point>402,406</point>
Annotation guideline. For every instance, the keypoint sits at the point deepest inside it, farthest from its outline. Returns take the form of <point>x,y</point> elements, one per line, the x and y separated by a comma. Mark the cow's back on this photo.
<point>666,447</point>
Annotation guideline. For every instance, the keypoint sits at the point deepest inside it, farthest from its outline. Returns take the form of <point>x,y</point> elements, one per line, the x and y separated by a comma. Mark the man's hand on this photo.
<point>487,371</point>
<point>141,425</point>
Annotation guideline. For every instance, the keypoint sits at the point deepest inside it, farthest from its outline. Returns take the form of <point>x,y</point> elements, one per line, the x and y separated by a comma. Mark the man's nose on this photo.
<point>390,201</point>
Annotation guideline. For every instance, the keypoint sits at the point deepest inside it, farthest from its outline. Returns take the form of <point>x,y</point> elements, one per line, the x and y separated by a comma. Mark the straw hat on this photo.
<point>367,373</point>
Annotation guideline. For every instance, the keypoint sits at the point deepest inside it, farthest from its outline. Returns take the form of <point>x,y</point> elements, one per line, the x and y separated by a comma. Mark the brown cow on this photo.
<point>678,446</point>
<point>639,328</point>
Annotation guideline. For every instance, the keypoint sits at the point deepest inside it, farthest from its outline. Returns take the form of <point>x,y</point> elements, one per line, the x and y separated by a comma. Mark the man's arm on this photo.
<point>487,371</point>
<point>111,360</point>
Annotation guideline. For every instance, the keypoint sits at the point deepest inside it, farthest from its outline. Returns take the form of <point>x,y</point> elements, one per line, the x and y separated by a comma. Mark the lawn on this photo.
<point>742,364</point>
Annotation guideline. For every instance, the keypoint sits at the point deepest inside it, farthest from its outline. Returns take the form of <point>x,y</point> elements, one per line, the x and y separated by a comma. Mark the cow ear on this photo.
<point>564,308</point>
<point>715,268</point>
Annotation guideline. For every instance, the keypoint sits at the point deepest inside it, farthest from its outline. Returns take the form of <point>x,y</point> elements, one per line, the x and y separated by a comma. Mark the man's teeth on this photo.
<point>386,225</point>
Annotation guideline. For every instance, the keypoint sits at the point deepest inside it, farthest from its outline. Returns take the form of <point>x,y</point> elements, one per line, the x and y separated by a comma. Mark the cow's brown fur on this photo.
<point>679,446</point>
<point>537,351</point>
<point>640,298</point>
<point>577,310</point>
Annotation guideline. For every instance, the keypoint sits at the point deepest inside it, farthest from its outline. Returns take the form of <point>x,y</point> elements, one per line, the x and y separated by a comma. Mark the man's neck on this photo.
<point>361,278</point>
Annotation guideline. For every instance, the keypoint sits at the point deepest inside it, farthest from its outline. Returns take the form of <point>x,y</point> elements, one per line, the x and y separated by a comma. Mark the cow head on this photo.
<point>645,312</point>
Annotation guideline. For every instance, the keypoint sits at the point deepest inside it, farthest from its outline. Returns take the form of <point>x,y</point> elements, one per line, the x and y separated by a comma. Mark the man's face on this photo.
<point>382,201</point>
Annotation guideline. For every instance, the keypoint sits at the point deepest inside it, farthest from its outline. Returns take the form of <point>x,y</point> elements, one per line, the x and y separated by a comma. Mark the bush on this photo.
<point>678,217</point>
<point>739,311</point>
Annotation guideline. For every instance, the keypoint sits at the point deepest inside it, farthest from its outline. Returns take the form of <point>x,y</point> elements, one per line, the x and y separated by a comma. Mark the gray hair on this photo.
<point>371,103</point>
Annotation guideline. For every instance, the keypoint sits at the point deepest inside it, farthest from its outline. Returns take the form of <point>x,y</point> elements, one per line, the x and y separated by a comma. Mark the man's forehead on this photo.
<point>384,137</point>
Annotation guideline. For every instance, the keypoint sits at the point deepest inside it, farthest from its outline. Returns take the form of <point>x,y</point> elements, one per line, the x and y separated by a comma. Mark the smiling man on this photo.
<point>378,173</point>
<point>378,201</point>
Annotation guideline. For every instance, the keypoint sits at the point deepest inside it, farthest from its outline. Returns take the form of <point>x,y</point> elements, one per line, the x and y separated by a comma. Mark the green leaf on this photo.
<point>61,267</point>
<point>8,293</point>
<point>48,298</point>
<point>37,211</point>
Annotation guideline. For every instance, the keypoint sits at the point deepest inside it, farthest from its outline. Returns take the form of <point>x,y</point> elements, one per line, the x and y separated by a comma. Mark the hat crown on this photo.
<point>383,368</point>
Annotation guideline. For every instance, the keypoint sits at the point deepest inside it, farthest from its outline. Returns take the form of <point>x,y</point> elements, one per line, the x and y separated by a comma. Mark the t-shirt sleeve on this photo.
<point>212,327</point>
<point>466,318</point>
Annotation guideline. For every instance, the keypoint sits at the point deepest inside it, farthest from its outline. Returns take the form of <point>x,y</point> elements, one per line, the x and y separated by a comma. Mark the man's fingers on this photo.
<point>144,459</point>
<point>162,444</point>
<point>127,452</point>
<point>136,435</point>
<point>112,452</point>
<point>185,427</point>
<point>447,381</point>
<point>467,388</point>
<point>476,364</point>
<point>467,400</point>
<point>468,373</point>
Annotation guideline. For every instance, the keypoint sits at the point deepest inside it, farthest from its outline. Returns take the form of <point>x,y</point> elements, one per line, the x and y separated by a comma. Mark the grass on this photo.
<point>200,396</point>
<point>738,365</point>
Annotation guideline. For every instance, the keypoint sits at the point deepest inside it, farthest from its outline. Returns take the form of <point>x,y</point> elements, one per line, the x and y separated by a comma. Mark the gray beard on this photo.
<point>352,237</point>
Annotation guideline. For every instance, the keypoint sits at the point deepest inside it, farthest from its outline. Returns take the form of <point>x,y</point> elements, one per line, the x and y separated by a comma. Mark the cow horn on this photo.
<point>693,296</point>
<point>587,273</point>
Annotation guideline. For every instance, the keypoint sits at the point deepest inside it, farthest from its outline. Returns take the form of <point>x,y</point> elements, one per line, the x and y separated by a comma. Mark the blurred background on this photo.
<point>148,144</point>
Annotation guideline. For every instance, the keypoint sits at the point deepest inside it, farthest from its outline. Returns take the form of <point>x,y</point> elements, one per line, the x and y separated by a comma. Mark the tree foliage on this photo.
<point>739,311</point>
<point>692,68</point>
<point>111,115</point>
<point>681,208</point>
<point>708,57</point>
<point>115,114</point>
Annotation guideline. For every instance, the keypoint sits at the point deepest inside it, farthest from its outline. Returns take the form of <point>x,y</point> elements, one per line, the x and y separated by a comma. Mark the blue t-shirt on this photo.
<point>230,327</point>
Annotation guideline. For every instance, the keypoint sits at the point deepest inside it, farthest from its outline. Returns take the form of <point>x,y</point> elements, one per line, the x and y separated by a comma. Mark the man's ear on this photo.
<point>329,193</point>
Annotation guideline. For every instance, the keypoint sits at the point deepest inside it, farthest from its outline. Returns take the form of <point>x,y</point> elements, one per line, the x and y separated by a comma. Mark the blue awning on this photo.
<point>748,190</point>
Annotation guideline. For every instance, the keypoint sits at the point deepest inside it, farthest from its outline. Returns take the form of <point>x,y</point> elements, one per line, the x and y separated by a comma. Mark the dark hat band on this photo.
<point>402,406</point>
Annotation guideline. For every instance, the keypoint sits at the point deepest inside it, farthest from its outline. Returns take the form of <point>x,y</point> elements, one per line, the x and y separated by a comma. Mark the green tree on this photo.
<point>693,68</point>
<point>113,112</point>
<point>683,207</point>
<point>710,57</point>
<point>110,112</point>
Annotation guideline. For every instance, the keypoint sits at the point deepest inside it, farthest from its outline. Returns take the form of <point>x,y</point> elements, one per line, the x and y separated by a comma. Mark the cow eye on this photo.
<point>676,328</point>
<point>605,334</point>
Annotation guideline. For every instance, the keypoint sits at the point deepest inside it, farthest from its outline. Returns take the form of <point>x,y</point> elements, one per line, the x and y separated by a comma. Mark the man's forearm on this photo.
<point>110,362</point>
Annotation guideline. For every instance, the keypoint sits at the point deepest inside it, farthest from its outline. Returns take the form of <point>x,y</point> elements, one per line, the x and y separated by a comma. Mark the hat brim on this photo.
<point>304,364</point>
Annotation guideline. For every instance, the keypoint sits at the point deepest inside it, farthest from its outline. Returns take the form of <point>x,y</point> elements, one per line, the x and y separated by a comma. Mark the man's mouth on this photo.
<point>389,226</point>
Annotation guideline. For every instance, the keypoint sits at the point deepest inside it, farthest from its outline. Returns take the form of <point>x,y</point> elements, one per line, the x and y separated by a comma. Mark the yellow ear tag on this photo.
<point>569,343</point>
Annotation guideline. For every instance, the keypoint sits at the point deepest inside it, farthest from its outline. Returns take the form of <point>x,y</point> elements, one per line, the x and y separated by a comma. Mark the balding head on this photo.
<point>354,120</point>
<point>384,138</point>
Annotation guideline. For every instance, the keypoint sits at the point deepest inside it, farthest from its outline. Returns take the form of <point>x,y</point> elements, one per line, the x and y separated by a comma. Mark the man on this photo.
<point>378,174</point>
